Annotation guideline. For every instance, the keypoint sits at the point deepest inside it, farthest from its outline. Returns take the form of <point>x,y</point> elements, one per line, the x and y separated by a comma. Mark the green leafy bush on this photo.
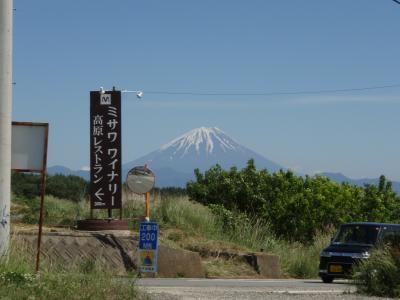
<point>294,207</point>
<point>231,221</point>
<point>67,187</point>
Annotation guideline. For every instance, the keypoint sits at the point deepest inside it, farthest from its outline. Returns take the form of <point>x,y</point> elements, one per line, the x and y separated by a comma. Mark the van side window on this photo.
<point>391,237</point>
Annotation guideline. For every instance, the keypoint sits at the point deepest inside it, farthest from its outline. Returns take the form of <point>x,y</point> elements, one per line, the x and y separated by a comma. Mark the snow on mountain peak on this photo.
<point>210,137</point>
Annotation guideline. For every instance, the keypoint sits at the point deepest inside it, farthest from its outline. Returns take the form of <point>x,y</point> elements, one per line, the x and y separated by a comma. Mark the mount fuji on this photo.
<point>174,162</point>
<point>200,148</point>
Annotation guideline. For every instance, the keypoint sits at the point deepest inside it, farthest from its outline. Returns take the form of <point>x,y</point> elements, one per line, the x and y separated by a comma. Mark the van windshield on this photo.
<point>357,235</point>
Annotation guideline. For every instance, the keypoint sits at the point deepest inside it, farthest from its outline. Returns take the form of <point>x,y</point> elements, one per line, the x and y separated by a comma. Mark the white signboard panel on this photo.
<point>28,146</point>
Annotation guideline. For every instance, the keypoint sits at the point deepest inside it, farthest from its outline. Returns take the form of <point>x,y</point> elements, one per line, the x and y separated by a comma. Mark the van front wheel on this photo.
<point>327,279</point>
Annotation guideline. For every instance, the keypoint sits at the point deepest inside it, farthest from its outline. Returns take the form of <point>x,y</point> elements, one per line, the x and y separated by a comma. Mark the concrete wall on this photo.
<point>118,250</point>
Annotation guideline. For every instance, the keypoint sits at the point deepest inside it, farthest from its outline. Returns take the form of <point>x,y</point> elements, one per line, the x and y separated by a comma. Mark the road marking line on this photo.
<point>301,292</point>
<point>248,280</point>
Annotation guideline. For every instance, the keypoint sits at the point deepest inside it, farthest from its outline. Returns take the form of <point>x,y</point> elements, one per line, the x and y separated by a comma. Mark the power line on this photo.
<point>398,2</point>
<point>274,93</point>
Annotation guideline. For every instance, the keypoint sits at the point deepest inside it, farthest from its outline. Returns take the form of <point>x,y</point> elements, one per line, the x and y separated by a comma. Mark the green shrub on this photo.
<point>294,207</point>
<point>230,220</point>
<point>67,187</point>
<point>60,186</point>
<point>380,274</point>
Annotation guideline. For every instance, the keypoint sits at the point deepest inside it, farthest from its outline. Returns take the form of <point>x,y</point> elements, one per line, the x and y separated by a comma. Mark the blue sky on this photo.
<point>63,49</point>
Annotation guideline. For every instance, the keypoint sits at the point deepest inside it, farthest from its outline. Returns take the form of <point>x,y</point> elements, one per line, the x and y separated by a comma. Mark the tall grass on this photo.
<point>85,279</point>
<point>301,260</point>
<point>66,212</point>
<point>298,260</point>
<point>189,216</point>
<point>56,211</point>
<point>380,274</point>
<point>195,218</point>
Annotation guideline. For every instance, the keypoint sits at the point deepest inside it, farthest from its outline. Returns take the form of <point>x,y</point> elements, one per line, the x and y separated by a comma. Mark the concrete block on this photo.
<point>179,263</point>
<point>267,265</point>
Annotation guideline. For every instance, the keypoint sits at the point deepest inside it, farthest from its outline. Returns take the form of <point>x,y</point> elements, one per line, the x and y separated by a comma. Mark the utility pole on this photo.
<point>6,15</point>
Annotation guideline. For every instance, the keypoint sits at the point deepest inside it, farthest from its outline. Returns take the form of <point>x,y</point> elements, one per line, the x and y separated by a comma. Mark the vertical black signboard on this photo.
<point>105,150</point>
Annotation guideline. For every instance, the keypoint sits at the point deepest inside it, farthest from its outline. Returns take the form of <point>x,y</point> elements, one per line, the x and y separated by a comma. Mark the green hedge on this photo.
<point>295,207</point>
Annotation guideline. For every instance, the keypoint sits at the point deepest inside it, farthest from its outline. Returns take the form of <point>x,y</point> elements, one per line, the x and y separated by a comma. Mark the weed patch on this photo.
<point>379,275</point>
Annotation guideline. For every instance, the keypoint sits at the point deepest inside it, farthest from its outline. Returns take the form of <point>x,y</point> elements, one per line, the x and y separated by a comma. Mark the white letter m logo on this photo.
<point>105,99</point>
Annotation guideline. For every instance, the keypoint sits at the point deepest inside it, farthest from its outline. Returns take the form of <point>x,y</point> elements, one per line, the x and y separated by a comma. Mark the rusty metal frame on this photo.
<point>43,172</point>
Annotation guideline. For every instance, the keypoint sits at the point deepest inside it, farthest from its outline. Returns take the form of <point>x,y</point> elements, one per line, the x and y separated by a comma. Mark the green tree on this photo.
<point>66,187</point>
<point>295,207</point>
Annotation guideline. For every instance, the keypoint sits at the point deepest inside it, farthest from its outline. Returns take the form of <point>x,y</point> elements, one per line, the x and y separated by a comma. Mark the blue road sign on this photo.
<point>148,247</point>
<point>148,236</point>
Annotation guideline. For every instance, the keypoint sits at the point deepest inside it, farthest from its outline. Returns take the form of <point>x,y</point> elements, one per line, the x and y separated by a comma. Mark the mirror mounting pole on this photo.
<point>148,206</point>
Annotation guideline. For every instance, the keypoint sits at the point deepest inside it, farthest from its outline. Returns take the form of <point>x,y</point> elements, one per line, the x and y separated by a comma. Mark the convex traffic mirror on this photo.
<point>140,180</point>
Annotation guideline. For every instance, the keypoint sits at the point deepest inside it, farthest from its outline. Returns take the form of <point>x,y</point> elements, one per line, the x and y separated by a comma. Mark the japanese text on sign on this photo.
<point>105,150</point>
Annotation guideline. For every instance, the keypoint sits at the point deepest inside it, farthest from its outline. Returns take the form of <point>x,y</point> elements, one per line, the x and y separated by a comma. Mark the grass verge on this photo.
<point>56,211</point>
<point>193,226</point>
<point>301,260</point>
<point>85,279</point>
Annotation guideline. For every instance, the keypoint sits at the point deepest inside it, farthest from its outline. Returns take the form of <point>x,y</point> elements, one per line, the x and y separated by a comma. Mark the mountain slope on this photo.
<point>339,178</point>
<point>202,148</point>
<point>54,170</point>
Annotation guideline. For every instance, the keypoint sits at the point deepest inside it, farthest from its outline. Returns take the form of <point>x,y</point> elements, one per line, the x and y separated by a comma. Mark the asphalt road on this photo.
<point>247,289</point>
